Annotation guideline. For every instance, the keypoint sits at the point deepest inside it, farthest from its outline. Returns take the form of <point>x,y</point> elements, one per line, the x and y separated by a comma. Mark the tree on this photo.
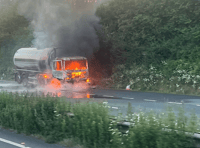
<point>14,34</point>
<point>136,27</point>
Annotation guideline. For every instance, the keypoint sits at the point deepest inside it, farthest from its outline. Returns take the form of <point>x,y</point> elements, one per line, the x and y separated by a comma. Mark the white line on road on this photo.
<point>127,98</point>
<point>8,85</point>
<point>115,107</point>
<point>150,100</point>
<point>92,94</point>
<point>13,143</point>
<point>108,96</point>
<point>174,102</point>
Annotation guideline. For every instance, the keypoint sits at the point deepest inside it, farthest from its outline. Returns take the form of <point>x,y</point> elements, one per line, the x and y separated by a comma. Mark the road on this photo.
<point>117,99</point>
<point>147,101</point>
<point>10,139</point>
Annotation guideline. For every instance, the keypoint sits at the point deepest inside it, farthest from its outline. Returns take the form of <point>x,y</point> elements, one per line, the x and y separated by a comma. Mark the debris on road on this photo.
<point>128,87</point>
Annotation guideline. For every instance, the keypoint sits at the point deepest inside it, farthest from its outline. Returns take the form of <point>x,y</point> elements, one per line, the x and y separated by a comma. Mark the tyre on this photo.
<point>18,78</point>
<point>33,86</point>
<point>25,82</point>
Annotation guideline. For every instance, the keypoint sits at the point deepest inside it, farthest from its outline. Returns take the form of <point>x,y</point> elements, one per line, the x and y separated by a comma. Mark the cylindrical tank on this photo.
<point>33,59</point>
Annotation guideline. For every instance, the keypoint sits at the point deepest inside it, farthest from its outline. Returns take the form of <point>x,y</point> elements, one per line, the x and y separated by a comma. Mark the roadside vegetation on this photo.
<point>57,120</point>
<point>142,79</point>
<point>15,33</point>
<point>153,44</point>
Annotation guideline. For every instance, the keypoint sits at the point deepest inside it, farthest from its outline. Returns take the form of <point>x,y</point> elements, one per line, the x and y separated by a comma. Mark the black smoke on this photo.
<point>58,23</point>
<point>71,27</point>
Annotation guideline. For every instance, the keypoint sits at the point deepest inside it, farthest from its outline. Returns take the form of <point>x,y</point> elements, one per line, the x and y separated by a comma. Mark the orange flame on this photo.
<point>56,83</point>
<point>59,94</point>
<point>78,74</point>
<point>88,80</point>
<point>75,65</point>
<point>58,65</point>
<point>46,76</point>
<point>88,95</point>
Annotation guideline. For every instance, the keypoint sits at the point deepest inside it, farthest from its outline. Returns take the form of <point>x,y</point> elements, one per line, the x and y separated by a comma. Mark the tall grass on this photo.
<point>140,78</point>
<point>92,124</point>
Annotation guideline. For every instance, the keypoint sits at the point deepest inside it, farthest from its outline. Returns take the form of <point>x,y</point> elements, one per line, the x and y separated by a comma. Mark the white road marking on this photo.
<point>115,107</point>
<point>8,85</point>
<point>127,98</point>
<point>150,100</point>
<point>105,102</point>
<point>198,105</point>
<point>13,143</point>
<point>108,96</point>
<point>179,103</point>
<point>174,103</point>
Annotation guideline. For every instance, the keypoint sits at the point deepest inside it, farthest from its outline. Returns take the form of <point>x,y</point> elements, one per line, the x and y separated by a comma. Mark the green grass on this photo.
<point>91,125</point>
<point>152,80</point>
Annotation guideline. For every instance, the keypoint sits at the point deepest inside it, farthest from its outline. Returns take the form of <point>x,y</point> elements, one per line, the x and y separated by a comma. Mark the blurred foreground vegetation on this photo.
<point>92,125</point>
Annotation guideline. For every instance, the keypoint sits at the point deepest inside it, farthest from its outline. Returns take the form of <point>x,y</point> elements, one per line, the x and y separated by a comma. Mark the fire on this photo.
<point>88,95</point>
<point>58,65</point>
<point>88,80</point>
<point>75,74</point>
<point>75,65</point>
<point>78,74</point>
<point>59,94</point>
<point>46,76</point>
<point>56,83</point>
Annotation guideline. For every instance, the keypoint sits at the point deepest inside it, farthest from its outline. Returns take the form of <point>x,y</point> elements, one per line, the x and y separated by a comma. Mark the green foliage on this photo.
<point>159,29</point>
<point>15,33</point>
<point>48,117</point>
<point>172,77</point>
<point>91,124</point>
<point>163,34</point>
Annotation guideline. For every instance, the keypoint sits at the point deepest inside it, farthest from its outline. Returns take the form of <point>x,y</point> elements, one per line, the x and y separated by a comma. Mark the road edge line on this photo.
<point>12,143</point>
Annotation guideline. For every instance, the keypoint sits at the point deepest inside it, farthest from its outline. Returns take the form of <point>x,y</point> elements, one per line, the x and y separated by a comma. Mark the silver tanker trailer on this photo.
<point>34,66</point>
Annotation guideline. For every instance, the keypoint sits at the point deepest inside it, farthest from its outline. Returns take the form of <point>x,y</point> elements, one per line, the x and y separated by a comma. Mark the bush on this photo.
<point>92,124</point>
<point>171,77</point>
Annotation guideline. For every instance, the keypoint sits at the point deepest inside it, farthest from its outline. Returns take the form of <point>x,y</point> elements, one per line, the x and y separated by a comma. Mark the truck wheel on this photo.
<point>32,86</point>
<point>18,78</point>
<point>25,82</point>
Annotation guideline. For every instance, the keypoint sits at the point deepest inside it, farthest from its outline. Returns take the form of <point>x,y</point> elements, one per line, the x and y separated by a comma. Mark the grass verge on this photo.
<point>91,126</point>
<point>153,80</point>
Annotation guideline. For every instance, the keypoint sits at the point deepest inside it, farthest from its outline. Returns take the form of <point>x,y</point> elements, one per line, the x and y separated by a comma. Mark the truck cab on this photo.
<point>70,69</point>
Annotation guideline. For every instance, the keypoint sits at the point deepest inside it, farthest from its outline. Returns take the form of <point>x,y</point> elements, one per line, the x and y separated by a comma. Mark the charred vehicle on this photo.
<point>33,67</point>
<point>70,69</point>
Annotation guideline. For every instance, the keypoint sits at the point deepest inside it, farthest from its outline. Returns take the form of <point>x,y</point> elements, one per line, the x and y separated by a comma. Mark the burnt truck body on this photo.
<point>33,67</point>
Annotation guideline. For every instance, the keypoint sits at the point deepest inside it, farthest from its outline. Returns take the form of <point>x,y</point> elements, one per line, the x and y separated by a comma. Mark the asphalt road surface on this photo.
<point>142,101</point>
<point>117,100</point>
<point>9,139</point>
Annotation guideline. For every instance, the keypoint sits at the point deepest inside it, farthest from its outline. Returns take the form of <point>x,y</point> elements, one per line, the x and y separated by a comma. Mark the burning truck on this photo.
<point>41,67</point>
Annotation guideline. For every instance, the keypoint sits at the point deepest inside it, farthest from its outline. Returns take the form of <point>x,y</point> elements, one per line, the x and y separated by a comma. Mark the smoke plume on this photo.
<point>59,23</point>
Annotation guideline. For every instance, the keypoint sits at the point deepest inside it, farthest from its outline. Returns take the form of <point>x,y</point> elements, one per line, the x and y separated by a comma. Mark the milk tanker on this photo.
<point>39,67</point>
